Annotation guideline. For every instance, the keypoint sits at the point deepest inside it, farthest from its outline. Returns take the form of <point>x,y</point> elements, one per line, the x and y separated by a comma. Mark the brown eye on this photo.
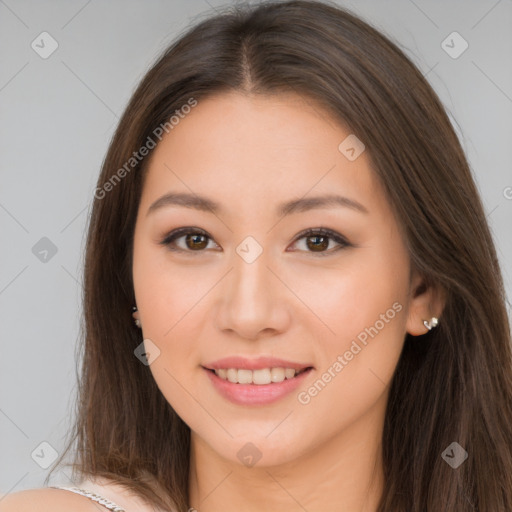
<point>318,240</point>
<point>317,243</point>
<point>195,240</point>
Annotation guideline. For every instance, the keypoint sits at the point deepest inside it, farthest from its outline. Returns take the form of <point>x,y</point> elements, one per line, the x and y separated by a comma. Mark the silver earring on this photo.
<point>430,325</point>
<point>136,320</point>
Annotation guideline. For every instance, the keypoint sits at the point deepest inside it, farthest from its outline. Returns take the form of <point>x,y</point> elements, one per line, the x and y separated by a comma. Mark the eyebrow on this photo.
<point>203,203</point>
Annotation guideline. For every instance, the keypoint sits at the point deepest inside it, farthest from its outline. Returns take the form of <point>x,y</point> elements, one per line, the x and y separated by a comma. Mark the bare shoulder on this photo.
<point>62,500</point>
<point>45,500</point>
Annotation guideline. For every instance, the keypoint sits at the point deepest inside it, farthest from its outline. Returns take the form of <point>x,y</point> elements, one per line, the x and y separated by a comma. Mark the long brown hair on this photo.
<point>452,385</point>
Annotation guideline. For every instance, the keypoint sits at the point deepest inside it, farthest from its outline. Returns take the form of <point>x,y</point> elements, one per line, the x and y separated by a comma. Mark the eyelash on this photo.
<point>320,232</point>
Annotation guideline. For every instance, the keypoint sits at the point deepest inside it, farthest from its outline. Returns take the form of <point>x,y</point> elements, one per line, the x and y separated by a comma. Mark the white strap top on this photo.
<point>110,505</point>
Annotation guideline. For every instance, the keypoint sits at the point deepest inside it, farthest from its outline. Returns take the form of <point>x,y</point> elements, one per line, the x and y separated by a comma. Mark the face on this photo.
<point>250,280</point>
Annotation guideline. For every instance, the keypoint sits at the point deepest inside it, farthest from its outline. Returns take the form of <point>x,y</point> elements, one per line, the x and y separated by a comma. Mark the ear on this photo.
<point>426,301</point>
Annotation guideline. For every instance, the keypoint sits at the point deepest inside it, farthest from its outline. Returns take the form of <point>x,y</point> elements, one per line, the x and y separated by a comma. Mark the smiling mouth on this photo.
<point>259,377</point>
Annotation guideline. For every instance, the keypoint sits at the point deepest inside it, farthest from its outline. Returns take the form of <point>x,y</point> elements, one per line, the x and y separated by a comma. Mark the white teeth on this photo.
<point>278,374</point>
<point>263,376</point>
<point>223,374</point>
<point>244,376</point>
<point>289,373</point>
<point>232,375</point>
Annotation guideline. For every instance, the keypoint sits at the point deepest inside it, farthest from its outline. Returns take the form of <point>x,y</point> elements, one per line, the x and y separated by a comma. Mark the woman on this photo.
<point>292,297</point>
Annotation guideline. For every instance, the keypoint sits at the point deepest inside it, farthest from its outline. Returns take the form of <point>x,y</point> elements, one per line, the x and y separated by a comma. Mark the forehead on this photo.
<point>255,149</point>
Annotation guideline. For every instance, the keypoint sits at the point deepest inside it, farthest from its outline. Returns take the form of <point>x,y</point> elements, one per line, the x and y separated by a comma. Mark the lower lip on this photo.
<point>255,394</point>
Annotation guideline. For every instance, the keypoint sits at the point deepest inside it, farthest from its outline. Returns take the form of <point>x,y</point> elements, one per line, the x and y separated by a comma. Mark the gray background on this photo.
<point>58,115</point>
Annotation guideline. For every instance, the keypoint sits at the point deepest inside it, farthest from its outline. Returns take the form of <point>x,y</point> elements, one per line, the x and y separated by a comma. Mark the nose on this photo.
<point>254,302</point>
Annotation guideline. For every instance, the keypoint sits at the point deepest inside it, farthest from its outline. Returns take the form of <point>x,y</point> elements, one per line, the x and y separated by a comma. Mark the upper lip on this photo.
<point>254,364</point>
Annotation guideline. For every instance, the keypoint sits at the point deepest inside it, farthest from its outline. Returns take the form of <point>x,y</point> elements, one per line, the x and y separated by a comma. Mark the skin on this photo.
<point>250,153</point>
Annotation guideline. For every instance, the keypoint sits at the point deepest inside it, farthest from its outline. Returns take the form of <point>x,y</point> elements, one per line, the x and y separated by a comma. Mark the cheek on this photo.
<point>347,298</point>
<point>364,310</point>
<point>166,292</point>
